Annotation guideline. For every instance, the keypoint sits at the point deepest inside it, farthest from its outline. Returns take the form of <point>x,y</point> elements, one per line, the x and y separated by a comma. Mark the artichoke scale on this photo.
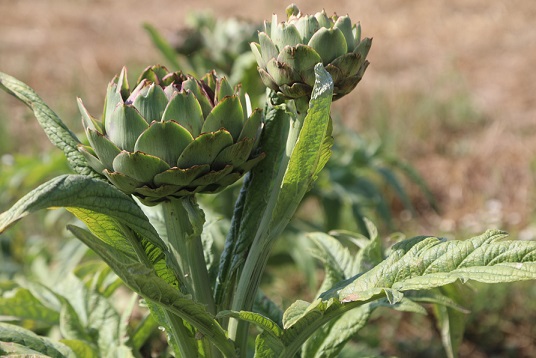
<point>205,148</point>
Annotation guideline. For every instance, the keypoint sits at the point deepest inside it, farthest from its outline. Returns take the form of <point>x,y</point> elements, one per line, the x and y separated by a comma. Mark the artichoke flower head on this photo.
<point>288,51</point>
<point>172,136</point>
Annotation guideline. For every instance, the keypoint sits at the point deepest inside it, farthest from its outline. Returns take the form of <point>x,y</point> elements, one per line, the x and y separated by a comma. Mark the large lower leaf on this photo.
<point>82,192</point>
<point>148,284</point>
<point>428,262</point>
<point>55,129</point>
<point>420,263</point>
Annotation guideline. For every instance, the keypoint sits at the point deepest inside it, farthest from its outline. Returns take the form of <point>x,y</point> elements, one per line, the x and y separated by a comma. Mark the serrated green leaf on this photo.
<point>14,334</point>
<point>257,319</point>
<point>105,228</point>
<point>294,313</point>
<point>256,189</point>
<point>82,192</point>
<point>268,308</point>
<point>311,151</point>
<point>54,128</point>
<point>337,261</point>
<point>428,262</point>
<point>268,346</point>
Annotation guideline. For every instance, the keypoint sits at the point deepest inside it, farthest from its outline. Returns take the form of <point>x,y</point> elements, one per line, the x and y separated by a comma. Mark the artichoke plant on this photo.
<point>288,51</point>
<point>172,136</point>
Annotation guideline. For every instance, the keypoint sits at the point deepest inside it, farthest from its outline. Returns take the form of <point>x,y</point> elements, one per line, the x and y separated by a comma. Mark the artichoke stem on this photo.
<point>268,231</point>
<point>184,221</point>
<point>184,224</point>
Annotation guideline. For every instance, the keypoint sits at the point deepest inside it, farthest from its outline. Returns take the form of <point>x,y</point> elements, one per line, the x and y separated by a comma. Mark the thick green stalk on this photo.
<point>181,221</point>
<point>184,224</point>
<point>265,236</point>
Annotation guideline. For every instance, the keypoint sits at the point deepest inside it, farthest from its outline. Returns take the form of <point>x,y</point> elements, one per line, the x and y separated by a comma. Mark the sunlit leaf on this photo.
<point>83,193</point>
<point>148,284</point>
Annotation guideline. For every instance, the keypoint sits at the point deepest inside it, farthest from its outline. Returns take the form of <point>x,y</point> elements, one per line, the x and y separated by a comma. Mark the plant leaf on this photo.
<point>149,285</point>
<point>257,319</point>
<point>416,264</point>
<point>372,254</point>
<point>329,340</point>
<point>82,192</point>
<point>268,308</point>
<point>86,315</point>
<point>80,348</point>
<point>55,129</point>
<point>310,154</point>
<point>14,334</point>
<point>254,195</point>
<point>143,331</point>
<point>450,319</point>
<point>70,325</point>
<point>337,261</point>
<point>25,306</point>
<point>181,331</point>
<point>428,262</point>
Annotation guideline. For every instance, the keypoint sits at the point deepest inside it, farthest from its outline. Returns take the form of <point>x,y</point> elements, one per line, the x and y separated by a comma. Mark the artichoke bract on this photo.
<point>288,51</point>
<point>172,136</point>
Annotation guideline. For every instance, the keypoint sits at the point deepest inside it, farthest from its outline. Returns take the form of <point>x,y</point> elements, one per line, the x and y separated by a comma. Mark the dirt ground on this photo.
<point>69,48</point>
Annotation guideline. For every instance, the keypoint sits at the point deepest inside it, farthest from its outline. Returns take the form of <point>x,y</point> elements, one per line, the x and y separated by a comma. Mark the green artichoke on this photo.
<point>172,136</point>
<point>288,51</point>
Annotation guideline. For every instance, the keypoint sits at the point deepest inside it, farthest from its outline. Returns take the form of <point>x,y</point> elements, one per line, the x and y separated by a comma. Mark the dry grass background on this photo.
<point>69,48</point>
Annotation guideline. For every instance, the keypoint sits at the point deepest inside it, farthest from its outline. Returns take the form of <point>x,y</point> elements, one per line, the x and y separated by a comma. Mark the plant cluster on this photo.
<point>158,147</point>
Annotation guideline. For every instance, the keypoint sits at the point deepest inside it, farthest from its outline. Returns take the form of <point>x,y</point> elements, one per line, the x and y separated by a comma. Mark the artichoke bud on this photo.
<point>172,135</point>
<point>288,51</point>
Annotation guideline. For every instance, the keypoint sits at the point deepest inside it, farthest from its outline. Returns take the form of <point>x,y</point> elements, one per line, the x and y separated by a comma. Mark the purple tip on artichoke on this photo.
<point>172,135</point>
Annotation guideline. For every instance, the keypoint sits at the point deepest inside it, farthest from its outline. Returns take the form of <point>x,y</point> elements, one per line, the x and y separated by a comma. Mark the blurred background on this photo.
<point>450,87</point>
<point>450,90</point>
